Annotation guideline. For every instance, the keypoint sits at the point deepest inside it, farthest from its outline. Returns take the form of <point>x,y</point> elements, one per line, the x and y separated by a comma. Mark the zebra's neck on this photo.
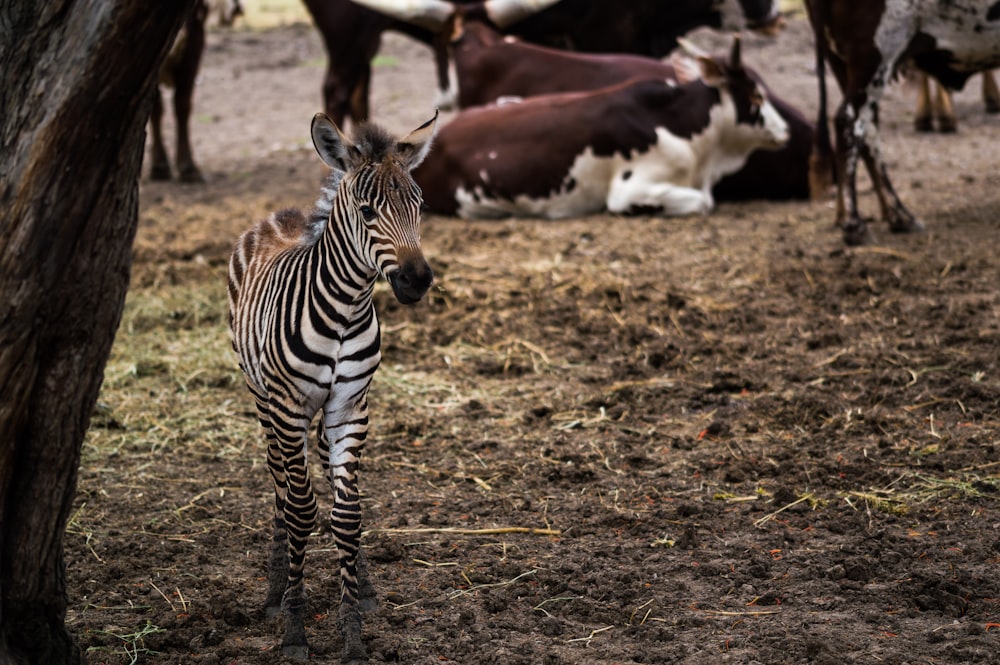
<point>344,277</point>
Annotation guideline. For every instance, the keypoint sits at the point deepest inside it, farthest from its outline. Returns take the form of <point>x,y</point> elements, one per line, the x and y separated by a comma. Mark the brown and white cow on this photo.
<point>490,66</point>
<point>351,32</point>
<point>643,146</point>
<point>865,43</point>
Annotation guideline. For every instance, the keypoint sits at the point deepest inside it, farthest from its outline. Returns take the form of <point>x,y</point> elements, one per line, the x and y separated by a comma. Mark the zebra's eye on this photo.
<point>368,213</point>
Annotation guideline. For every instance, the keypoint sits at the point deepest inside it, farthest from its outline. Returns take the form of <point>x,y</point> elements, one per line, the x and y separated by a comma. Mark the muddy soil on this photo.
<point>608,440</point>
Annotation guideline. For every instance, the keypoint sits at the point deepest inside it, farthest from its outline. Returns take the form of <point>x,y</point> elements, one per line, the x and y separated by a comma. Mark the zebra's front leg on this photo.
<point>367,596</point>
<point>345,434</point>
<point>299,521</point>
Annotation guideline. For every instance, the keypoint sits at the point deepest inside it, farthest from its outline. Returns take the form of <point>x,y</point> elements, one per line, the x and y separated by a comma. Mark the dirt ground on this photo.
<point>598,441</point>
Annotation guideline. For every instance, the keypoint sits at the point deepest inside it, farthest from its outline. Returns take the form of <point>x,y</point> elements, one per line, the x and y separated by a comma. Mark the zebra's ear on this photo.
<point>333,147</point>
<point>413,147</point>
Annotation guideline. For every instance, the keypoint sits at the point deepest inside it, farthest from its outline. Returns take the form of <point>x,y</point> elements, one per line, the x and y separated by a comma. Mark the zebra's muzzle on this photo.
<point>412,280</point>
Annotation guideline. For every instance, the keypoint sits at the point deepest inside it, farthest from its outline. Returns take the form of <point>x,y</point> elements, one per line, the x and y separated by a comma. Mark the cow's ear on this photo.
<point>413,147</point>
<point>331,145</point>
<point>712,72</point>
<point>685,66</point>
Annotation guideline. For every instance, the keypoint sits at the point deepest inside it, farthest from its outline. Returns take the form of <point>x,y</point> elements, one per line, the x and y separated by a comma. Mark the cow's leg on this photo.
<point>160,169</point>
<point>631,192</point>
<point>184,80</point>
<point>944,110</point>
<point>865,143</point>
<point>446,97</point>
<point>359,96</point>
<point>923,121</point>
<point>854,228</point>
<point>991,94</point>
<point>346,430</point>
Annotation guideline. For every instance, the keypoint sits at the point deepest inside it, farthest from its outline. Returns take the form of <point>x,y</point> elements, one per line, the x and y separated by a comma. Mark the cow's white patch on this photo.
<point>957,26</point>
<point>674,176</point>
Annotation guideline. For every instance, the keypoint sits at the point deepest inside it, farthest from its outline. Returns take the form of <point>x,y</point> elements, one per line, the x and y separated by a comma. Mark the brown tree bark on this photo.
<point>75,84</point>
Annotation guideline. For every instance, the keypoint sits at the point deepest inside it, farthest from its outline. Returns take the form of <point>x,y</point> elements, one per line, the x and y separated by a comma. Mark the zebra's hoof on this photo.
<point>296,651</point>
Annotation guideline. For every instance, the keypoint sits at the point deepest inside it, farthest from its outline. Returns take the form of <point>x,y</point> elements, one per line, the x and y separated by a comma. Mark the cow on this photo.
<point>351,32</point>
<point>179,71</point>
<point>865,43</point>
<point>939,110</point>
<point>489,66</point>
<point>647,146</point>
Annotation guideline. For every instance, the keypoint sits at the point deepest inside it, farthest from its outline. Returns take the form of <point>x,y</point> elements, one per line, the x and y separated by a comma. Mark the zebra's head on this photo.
<point>377,200</point>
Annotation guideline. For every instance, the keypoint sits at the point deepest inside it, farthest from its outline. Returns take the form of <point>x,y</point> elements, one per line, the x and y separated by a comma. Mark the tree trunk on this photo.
<point>75,84</point>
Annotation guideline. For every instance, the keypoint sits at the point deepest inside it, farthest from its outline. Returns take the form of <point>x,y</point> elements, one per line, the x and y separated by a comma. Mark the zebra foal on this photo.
<point>304,328</point>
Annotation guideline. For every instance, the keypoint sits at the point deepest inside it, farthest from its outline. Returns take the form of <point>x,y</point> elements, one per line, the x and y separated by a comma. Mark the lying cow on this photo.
<point>643,146</point>
<point>490,66</point>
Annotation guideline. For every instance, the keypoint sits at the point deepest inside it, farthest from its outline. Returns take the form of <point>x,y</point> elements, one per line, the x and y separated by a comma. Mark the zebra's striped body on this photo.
<point>304,327</point>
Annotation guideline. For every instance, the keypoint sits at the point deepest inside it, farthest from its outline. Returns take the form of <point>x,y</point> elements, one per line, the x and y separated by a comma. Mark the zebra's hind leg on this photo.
<point>277,555</point>
<point>277,569</point>
<point>367,596</point>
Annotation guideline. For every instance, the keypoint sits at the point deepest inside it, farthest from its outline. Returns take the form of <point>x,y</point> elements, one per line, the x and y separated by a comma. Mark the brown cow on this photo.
<point>179,72</point>
<point>643,146</point>
<point>939,109</point>
<point>489,66</point>
<point>865,44</point>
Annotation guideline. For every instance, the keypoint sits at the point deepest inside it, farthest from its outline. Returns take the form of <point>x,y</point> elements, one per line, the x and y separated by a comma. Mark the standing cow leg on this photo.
<point>185,75</point>
<point>853,226</point>
<point>359,97</point>
<point>346,431</point>
<point>160,169</point>
<point>923,121</point>
<point>944,110</point>
<point>991,94</point>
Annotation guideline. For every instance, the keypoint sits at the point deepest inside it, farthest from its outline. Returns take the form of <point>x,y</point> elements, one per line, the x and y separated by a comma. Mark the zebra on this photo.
<point>303,325</point>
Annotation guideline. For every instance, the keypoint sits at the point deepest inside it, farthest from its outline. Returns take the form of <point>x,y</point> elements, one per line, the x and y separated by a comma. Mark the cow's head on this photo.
<point>757,121</point>
<point>760,16</point>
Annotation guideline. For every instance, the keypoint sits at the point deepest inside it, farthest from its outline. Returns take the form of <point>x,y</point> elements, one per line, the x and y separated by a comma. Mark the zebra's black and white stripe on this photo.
<point>304,327</point>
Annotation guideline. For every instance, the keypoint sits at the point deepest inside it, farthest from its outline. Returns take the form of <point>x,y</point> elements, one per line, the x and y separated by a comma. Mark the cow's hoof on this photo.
<point>160,172</point>
<point>368,604</point>
<point>857,232</point>
<point>904,222</point>
<point>191,175</point>
<point>924,124</point>
<point>296,651</point>
<point>947,125</point>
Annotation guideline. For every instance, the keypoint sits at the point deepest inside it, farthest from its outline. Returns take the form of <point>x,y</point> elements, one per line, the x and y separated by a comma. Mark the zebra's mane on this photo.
<point>375,143</point>
<point>324,205</point>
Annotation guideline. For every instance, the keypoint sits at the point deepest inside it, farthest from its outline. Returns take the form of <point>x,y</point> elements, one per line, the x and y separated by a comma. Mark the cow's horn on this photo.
<point>429,14</point>
<point>691,48</point>
<point>505,13</point>
<point>734,55</point>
